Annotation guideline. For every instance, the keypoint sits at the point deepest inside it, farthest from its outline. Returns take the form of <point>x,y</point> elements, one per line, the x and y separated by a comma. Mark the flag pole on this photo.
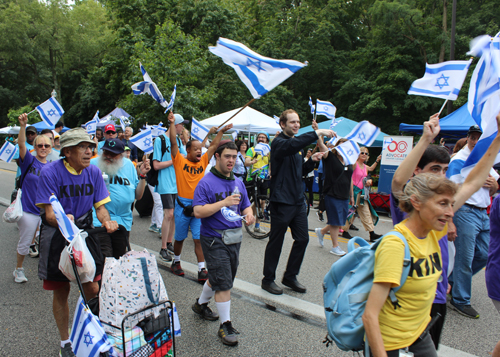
<point>440,110</point>
<point>34,110</point>
<point>246,105</point>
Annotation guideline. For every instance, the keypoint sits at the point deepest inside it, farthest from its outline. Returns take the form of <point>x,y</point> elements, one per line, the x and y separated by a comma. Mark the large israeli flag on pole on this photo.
<point>143,140</point>
<point>441,80</point>
<point>364,133</point>
<point>172,100</point>
<point>325,108</point>
<point>50,111</point>
<point>8,151</point>
<point>68,229</point>
<point>349,151</point>
<point>149,87</point>
<point>198,130</point>
<point>260,74</point>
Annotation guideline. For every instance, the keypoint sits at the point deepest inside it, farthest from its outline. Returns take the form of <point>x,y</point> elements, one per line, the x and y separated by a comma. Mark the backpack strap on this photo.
<point>359,241</point>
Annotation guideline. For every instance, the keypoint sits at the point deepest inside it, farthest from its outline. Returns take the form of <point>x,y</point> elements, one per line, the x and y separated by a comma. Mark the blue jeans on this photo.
<point>473,238</point>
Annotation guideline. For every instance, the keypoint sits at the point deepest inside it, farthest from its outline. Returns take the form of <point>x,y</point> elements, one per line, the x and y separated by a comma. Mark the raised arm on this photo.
<point>374,165</point>
<point>21,139</point>
<point>213,130</point>
<point>174,148</point>
<point>216,141</point>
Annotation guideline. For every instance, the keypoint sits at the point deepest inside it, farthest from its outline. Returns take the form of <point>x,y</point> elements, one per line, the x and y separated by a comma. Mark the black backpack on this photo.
<point>152,175</point>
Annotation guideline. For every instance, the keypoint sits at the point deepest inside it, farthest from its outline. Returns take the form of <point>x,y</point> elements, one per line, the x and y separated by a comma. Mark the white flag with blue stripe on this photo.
<point>91,126</point>
<point>276,119</point>
<point>88,338</point>
<point>325,108</point>
<point>364,133</point>
<point>311,105</point>
<point>143,140</point>
<point>335,122</point>
<point>122,123</point>
<point>8,151</point>
<point>157,130</point>
<point>349,151</point>
<point>149,87</point>
<point>235,134</point>
<point>68,229</point>
<point>172,100</point>
<point>50,111</point>
<point>230,215</point>
<point>262,148</point>
<point>441,80</point>
<point>198,130</point>
<point>260,74</point>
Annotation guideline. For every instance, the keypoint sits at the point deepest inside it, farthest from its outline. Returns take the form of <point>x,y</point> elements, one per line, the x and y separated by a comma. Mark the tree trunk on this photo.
<point>445,30</point>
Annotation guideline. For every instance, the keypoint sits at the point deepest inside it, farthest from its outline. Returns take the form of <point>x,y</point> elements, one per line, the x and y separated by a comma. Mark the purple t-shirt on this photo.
<point>77,193</point>
<point>212,189</point>
<point>442,286</point>
<point>493,264</point>
<point>30,182</point>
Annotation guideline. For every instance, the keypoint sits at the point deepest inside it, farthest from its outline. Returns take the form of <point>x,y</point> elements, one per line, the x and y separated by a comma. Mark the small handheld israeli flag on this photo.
<point>349,152</point>
<point>91,126</point>
<point>260,74</point>
<point>149,87</point>
<point>262,149</point>
<point>230,215</point>
<point>311,105</point>
<point>276,119</point>
<point>333,140</point>
<point>143,140</point>
<point>50,111</point>
<point>334,123</point>
<point>364,133</point>
<point>325,108</point>
<point>122,123</point>
<point>172,100</point>
<point>441,80</point>
<point>157,130</point>
<point>8,151</point>
<point>235,135</point>
<point>68,229</point>
<point>198,130</point>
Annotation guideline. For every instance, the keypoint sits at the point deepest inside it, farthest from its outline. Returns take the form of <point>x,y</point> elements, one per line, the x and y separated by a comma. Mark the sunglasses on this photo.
<point>30,133</point>
<point>363,153</point>
<point>41,146</point>
<point>110,132</point>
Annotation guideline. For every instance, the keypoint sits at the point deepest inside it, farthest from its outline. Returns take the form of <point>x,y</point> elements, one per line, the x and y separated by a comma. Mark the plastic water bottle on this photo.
<point>235,192</point>
<point>105,177</point>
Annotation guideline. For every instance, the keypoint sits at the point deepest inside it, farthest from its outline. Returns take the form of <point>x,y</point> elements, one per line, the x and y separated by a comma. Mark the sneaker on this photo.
<point>257,229</point>
<point>337,251</point>
<point>153,228</point>
<point>228,334</point>
<point>158,230</point>
<point>204,311</point>
<point>19,276</point>
<point>202,275</point>
<point>176,268</point>
<point>67,351</point>
<point>465,310</point>
<point>353,228</point>
<point>33,252</point>
<point>320,216</point>
<point>170,248</point>
<point>165,256</point>
<point>320,237</point>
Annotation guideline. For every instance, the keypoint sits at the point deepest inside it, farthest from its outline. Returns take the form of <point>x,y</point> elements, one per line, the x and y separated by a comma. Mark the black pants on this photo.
<point>309,188</point>
<point>420,348</point>
<point>114,244</point>
<point>436,330</point>
<point>282,217</point>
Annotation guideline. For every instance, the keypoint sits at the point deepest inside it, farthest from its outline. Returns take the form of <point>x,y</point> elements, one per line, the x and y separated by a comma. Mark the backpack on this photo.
<point>346,288</point>
<point>152,175</point>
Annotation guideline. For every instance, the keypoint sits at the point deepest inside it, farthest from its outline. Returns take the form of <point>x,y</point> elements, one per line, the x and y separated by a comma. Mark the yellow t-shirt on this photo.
<point>188,174</point>
<point>402,326</point>
<point>261,161</point>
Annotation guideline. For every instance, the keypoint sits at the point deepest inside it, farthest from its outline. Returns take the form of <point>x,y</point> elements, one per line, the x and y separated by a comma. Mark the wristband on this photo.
<point>142,177</point>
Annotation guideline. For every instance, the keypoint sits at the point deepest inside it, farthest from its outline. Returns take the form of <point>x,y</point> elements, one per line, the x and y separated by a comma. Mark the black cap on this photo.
<point>474,129</point>
<point>31,128</point>
<point>114,145</point>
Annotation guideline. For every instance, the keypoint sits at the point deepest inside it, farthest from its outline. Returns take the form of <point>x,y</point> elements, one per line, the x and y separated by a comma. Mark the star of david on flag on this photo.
<point>311,105</point>
<point>230,215</point>
<point>259,73</point>
<point>143,140</point>
<point>325,108</point>
<point>91,125</point>
<point>262,149</point>
<point>50,111</point>
<point>87,334</point>
<point>349,151</point>
<point>364,133</point>
<point>172,99</point>
<point>149,87</point>
<point>198,130</point>
<point>68,229</point>
<point>441,80</point>
<point>8,151</point>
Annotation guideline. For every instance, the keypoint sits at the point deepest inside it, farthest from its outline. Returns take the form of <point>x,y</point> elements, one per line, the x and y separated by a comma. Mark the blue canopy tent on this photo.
<point>42,125</point>
<point>454,125</point>
<point>343,128</point>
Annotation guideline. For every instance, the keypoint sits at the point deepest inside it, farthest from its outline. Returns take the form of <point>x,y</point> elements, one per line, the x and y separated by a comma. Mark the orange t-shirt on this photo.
<point>188,174</point>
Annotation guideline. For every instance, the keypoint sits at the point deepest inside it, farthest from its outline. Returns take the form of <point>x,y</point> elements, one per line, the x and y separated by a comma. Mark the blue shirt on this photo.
<point>166,177</point>
<point>122,193</point>
<point>100,144</point>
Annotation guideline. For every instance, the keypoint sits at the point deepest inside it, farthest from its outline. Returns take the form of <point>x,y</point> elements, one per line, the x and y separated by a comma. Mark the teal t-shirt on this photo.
<point>122,193</point>
<point>166,177</point>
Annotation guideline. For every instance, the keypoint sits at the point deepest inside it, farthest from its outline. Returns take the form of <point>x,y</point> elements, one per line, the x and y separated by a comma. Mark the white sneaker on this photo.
<point>320,237</point>
<point>257,230</point>
<point>19,276</point>
<point>338,251</point>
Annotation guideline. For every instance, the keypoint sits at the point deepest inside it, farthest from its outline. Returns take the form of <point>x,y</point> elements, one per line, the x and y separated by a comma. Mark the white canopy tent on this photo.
<point>248,120</point>
<point>10,130</point>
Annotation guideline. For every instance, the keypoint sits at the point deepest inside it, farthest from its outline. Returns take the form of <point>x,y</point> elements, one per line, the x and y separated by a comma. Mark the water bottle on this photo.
<point>235,192</point>
<point>105,177</point>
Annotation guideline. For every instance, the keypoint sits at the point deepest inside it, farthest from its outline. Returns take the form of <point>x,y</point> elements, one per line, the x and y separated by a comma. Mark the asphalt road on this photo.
<point>289,325</point>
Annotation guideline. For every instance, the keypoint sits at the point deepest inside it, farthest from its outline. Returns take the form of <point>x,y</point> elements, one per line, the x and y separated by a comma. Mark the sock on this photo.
<point>65,342</point>
<point>201,265</point>
<point>206,294</point>
<point>224,309</point>
<point>257,225</point>
<point>177,258</point>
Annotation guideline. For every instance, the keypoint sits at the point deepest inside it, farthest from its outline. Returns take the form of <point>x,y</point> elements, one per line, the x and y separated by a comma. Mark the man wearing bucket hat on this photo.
<point>79,188</point>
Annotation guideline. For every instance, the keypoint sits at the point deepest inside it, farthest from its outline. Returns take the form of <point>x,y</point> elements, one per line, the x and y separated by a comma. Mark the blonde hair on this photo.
<point>424,186</point>
<point>38,138</point>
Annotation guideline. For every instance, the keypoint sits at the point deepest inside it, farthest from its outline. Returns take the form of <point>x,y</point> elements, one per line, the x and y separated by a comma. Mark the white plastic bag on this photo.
<point>15,211</point>
<point>85,264</point>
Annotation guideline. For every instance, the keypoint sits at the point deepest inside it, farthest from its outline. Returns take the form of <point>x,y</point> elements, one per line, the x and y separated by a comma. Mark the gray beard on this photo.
<point>110,169</point>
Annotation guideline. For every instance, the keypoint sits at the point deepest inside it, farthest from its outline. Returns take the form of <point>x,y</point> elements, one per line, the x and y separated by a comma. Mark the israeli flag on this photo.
<point>334,123</point>
<point>349,151</point>
<point>8,151</point>
<point>311,105</point>
<point>143,140</point>
<point>441,80</point>
<point>235,134</point>
<point>230,215</point>
<point>333,140</point>
<point>68,229</point>
<point>122,123</point>
<point>260,74</point>
<point>91,126</point>
<point>149,87</point>
<point>276,119</point>
<point>325,108</point>
<point>172,99</point>
<point>364,133</point>
<point>198,130</point>
<point>87,334</point>
<point>157,130</point>
<point>262,149</point>
<point>50,111</point>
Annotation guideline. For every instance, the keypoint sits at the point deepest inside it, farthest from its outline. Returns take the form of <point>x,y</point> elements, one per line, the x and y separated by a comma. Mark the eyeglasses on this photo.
<point>110,132</point>
<point>41,146</point>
